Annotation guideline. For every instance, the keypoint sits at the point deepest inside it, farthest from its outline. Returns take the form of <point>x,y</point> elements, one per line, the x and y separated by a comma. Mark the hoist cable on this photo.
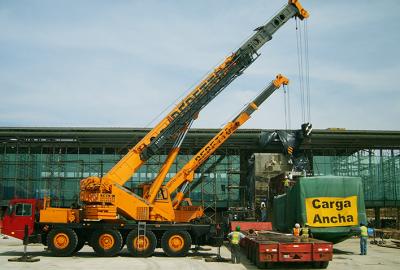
<point>288,103</point>
<point>285,107</point>
<point>307,70</point>
<point>300,66</point>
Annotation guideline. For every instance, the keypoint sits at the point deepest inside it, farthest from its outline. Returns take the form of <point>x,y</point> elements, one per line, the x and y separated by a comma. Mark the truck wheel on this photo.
<point>106,243</point>
<point>62,242</point>
<point>142,246</point>
<point>321,265</point>
<point>176,243</point>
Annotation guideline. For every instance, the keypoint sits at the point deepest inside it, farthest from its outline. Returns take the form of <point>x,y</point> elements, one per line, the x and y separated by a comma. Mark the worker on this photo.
<point>296,230</point>
<point>305,233</point>
<point>235,238</point>
<point>286,184</point>
<point>263,210</point>
<point>363,238</point>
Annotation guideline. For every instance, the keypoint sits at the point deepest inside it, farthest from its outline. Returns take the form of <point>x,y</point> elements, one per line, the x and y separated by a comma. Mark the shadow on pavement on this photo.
<point>343,252</point>
<point>90,254</point>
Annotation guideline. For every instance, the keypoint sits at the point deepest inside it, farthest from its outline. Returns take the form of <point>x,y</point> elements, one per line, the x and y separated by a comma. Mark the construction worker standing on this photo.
<point>286,184</point>
<point>235,238</point>
<point>296,230</point>
<point>305,233</point>
<point>263,210</point>
<point>363,238</point>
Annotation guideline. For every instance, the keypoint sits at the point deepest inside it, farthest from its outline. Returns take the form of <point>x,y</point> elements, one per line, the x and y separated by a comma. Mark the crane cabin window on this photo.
<point>23,209</point>
<point>162,194</point>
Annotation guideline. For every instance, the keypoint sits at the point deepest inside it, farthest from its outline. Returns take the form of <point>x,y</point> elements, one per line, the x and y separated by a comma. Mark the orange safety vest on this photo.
<point>296,231</point>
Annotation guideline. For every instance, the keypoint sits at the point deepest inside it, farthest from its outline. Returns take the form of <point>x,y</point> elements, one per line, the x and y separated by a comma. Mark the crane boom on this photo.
<point>187,109</point>
<point>187,172</point>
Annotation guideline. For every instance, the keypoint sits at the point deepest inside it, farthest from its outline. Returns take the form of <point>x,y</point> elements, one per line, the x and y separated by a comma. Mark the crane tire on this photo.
<point>141,247</point>
<point>62,242</point>
<point>106,243</point>
<point>176,243</point>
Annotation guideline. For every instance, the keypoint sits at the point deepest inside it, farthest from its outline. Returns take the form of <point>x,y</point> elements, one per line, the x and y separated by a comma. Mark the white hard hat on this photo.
<point>297,225</point>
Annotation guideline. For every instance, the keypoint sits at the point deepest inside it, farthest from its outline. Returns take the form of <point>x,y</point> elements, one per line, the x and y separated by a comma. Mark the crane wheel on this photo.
<point>62,242</point>
<point>106,243</point>
<point>176,243</point>
<point>141,246</point>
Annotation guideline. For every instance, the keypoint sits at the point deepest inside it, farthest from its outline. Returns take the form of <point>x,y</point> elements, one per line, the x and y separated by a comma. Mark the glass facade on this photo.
<point>28,172</point>
<point>379,169</point>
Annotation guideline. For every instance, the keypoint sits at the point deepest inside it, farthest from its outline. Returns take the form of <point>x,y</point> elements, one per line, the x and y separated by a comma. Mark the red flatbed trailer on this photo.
<point>268,248</point>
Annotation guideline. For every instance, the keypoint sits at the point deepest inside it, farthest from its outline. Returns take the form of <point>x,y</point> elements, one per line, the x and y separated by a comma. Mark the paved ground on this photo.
<point>346,257</point>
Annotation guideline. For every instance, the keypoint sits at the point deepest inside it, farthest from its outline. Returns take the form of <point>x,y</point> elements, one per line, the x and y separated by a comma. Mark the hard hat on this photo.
<point>238,228</point>
<point>297,225</point>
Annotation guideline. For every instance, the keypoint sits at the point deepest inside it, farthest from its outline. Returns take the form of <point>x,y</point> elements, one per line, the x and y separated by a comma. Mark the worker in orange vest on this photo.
<point>235,238</point>
<point>296,230</point>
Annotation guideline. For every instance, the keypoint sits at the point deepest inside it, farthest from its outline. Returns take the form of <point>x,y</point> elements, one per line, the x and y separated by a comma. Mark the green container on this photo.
<point>290,208</point>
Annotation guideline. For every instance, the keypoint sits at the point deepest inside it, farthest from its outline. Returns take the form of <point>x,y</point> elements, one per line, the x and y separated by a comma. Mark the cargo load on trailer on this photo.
<point>333,207</point>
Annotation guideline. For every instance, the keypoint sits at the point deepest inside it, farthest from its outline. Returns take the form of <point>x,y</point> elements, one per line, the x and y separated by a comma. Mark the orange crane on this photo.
<point>99,194</point>
<point>111,214</point>
<point>182,178</point>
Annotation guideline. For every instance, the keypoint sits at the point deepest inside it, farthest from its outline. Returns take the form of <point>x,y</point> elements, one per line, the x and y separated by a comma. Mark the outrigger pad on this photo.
<point>24,259</point>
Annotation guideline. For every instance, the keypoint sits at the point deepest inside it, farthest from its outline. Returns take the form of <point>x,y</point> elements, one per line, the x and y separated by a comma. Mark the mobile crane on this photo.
<point>175,242</point>
<point>111,213</point>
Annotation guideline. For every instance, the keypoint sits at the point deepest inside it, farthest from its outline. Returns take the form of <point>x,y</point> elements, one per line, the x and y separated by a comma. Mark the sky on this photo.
<point>125,63</point>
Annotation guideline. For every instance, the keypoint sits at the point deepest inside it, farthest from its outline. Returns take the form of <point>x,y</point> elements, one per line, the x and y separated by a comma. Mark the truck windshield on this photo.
<point>23,209</point>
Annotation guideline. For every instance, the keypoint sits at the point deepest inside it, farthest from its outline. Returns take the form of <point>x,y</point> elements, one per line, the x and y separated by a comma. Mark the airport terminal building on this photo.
<point>37,162</point>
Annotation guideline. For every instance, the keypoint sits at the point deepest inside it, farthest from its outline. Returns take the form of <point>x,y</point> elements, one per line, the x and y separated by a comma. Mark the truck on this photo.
<point>112,215</point>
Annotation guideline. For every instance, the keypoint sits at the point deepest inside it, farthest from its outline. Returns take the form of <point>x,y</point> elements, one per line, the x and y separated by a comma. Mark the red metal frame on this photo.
<point>247,225</point>
<point>261,250</point>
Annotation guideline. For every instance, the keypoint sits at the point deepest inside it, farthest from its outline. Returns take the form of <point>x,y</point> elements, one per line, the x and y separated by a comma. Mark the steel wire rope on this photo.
<point>289,111</point>
<point>285,107</point>
<point>300,67</point>
<point>234,114</point>
<point>307,67</point>
<point>126,146</point>
<point>173,103</point>
<point>243,41</point>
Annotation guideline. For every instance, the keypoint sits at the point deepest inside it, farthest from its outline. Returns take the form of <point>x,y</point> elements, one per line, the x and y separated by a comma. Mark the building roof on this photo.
<point>243,139</point>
